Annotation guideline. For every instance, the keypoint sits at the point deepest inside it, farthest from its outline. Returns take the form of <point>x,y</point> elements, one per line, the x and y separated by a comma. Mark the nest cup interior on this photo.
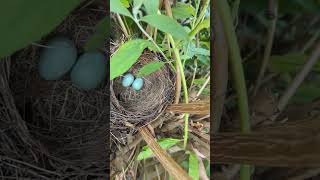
<point>66,126</point>
<point>138,108</point>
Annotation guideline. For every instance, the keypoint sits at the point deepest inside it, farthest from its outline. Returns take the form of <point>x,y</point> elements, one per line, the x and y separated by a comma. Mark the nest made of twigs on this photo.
<point>131,109</point>
<point>53,125</point>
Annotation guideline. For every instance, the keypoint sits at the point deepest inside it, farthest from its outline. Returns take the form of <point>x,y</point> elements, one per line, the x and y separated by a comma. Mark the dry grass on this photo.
<point>52,129</point>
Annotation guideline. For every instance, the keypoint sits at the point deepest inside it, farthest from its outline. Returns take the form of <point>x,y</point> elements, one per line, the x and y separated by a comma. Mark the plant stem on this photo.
<point>267,52</point>
<point>184,86</point>
<point>178,74</point>
<point>203,11</point>
<point>237,72</point>
<point>123,27</point>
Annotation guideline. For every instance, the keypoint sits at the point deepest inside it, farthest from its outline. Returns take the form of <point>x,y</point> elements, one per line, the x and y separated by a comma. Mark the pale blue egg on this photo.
<point>57,59</point>
<point>127,80</point>
<point>137,84</point>
<point>90,70</point>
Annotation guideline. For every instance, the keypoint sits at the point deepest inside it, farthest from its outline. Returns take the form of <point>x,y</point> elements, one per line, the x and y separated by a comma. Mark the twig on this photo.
<point>123,27</point>
<point>167,162</point>
<point>29,165</point>
<point>311,41</point>
<point>203,87</point>
<point>192,108</point>
<point>284,100</point>
<point>307,174</point>
<point>267,51</point>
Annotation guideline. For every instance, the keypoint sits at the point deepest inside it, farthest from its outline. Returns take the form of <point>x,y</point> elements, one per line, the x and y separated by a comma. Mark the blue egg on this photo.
<point>137,84</point>
<point>90,70</point>
<point>127,80</point>
<point>57,59</point>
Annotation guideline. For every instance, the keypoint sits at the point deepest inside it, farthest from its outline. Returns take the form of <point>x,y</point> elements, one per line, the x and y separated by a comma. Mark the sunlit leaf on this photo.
<point>23,22</point>
<point>151,6</point>
<point>150,68</point>
<point>117,6</point>
<point>125,3</point>
<point>183,11</point>
<point>166,24</point>
<point>193,166</point>
<point>126,56</point>
<point>164,143</point>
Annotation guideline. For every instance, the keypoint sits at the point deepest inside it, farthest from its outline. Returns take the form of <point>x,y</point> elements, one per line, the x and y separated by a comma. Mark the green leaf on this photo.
<point>307,92</point>
<point>164,143</point>
<point>193,166</point>
<point>287,63</point>
<point>200,81</point>
<point>23,22</point>
<point>166,24</point>
<point>150,68</point>
<point>102,32</point>
<point>117,6</point>
<point>183,11</point>
<point>204,24</point>
<point>126,56</point>
<point>185,165</point>
<point>125,3</point>
<point>151,6</point>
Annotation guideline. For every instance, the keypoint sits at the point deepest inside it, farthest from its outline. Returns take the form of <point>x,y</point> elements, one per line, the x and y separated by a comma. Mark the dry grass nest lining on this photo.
<point>52,124</point>
<point>130,108</point>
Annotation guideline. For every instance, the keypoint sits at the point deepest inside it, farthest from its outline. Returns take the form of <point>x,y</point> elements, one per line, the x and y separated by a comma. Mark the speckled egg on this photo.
<point>127,80</point>
<point>137,84</point>
<point>57,58</point>
<point>89,71</point>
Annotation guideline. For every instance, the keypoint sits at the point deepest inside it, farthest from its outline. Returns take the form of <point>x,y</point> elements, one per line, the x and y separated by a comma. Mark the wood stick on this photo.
<point>290,145</point>
<point>191,108</point>
<point>167,162</point>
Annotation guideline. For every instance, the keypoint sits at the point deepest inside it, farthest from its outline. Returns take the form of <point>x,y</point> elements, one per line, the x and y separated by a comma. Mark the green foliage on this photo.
<point>150,68</point>
<point>164,143</point>
<point>183,11</point>
<point>126,56</point>
<point>193,166</point>
<point>151,6</point>
<point>102,32</point>
<point>289,63</point>
<point>23,22</point>
<point>166,24</point>
<point>306,93</point>
<point>117,6</point>
<point>125,3</point>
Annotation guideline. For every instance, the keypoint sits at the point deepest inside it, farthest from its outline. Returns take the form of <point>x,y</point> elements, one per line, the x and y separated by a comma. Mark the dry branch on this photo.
<point>191,108</point>
<point>167,162</point>
<point>290,145</point>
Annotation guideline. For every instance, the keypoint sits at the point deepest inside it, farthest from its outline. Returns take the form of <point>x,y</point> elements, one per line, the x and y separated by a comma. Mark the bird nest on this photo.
<point>131,109</point>
<point>52,129</point>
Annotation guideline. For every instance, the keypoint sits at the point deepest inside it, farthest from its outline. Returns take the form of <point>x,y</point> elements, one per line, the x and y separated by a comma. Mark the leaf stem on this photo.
<point>267,51</point>
<point>151,39</point>
<point>184,86</point>
<point>203,11</point>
